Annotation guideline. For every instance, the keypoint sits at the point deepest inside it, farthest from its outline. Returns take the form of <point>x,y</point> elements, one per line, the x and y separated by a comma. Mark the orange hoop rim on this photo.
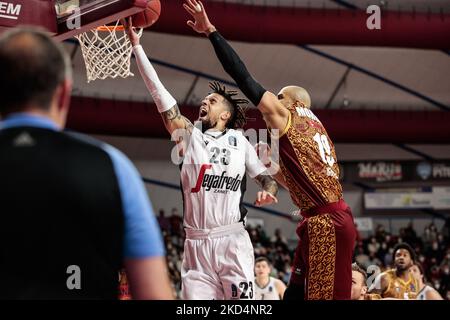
<point>111,28</point>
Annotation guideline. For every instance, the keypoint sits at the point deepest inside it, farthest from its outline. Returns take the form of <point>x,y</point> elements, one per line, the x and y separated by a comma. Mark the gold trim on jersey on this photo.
<point>322,257</point>
<point>404,287</point>
<point>299,151</point>
<point>288,124</point>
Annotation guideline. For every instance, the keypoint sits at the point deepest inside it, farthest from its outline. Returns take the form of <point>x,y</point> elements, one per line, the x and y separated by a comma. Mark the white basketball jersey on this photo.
<point>213,178</point>
<point>269,292</point>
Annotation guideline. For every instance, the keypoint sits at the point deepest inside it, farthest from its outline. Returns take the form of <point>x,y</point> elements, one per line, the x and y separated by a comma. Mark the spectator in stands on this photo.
<point>174,248</point>
<point>373,260</point>
<point>380,233</point>
<point>434,273</point>
<point>433,232</point>
<point>434,252</point>
<point>382,251</point>
<point>287,272</point>
<point>176,222</point>
<point>264,239</point>
<point>441,242</point>
<point>423,261</point>
<point>446,259</point>
<point>388,262</point>
<point>446,229</point>
<point>358,234</point>
<point>278,239</point>
<point>401,235</point>
<point>254,234</point>
<point>410,235</point>
<point>373,246</point>
<point>362,259</point>
<point>163,221</point>
<point>390,240</point>
<point>427,237</point>
<point>445,279</point>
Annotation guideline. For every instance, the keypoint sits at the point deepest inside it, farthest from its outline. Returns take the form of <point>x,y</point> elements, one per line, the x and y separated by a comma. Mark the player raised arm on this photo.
<point>273,111</point>
<point>167,106</point>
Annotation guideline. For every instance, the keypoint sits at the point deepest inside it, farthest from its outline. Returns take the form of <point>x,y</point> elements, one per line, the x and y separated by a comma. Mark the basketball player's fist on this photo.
<point>132,35</point>
<point>263,151</point>
<point>197,11</point>
<point>264,198</point>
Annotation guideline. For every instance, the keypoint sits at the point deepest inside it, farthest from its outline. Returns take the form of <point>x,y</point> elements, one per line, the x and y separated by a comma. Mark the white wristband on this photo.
<point>163,99</point>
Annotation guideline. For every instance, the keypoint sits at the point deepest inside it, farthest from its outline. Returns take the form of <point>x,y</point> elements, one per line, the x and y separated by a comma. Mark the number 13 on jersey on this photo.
<point>324,149</point>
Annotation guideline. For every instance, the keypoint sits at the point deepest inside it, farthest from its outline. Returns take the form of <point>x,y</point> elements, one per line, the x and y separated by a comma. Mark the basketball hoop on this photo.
<point>106,52</point>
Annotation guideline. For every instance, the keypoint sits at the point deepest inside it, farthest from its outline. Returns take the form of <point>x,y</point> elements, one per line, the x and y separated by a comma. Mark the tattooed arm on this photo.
<point>174,120</point>
<point>270,190</point>
<point>179,127</point>
<point>257,171</point>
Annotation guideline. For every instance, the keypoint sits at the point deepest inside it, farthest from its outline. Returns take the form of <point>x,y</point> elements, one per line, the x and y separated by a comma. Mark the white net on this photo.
<point>106,52</point>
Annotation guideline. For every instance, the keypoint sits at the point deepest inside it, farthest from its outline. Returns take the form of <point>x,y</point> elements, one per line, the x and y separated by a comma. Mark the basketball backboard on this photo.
<point>66,18</point>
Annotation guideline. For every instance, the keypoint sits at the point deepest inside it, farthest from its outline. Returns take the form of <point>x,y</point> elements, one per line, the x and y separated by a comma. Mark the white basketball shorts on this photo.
<point>218,264</point>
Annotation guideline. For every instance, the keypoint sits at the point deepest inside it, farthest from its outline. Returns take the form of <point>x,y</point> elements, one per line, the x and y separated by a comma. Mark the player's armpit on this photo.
<point>275,114</point>
<point>267,183</point>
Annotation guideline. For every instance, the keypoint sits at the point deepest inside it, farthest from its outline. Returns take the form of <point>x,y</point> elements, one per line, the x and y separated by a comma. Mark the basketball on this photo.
<point>149,16</point>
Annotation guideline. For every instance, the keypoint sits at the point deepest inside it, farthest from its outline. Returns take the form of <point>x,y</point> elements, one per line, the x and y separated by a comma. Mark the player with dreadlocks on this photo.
<point>218,254</point>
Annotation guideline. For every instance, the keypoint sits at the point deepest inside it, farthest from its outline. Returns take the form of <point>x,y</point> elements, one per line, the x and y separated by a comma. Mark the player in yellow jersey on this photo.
<point>398,282</point>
